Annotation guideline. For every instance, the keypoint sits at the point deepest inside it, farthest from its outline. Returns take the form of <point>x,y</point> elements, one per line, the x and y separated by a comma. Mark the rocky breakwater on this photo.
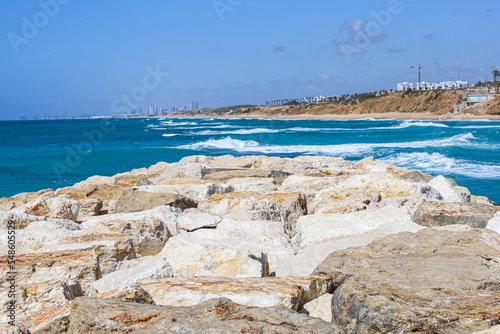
<point>254,244</point>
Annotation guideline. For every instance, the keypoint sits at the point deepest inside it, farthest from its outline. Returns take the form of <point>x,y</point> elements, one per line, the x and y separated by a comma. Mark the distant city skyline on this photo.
<point>103,58</point>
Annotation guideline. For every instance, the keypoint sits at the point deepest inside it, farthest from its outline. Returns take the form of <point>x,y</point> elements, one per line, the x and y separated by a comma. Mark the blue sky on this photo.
<point>85,56</point>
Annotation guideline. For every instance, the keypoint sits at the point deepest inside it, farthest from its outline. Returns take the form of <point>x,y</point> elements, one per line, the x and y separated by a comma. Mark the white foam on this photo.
<point>236,132</point>
<point>170,134</point>
<point>343,150</point>
<point>438,163</point>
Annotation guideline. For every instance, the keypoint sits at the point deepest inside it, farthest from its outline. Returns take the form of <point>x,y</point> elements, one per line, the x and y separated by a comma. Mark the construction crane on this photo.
<point>420,67</point>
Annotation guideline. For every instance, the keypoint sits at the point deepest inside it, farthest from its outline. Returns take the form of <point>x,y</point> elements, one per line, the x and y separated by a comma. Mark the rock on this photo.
<point>197,190</point>
<point>417,176</point>
<point>60,207</point>
<point>320,235</point>
<point>214,316</point>
<point>149,267</point>
<point>448,191</point>
<point>135,201</point>
<point>281,207</point>
<point>192,256</point>
<point>320,307</point>
<point>42,279</point>
<point>426,281</point>
<point>143,183</point>
<point>344,199</point>
<point>492,330</point>
<point>494,223</point>
<point>257,185</point>
<point>7,204</point>
<point>388,186</point>
<point>224,176</point>
<point>21,220</point>
<point>131,294</point>
<point>128,180</point>
<point>72,289</point>
<point>90,207</point>
<point>315,229</point>
<point>304,165</point>
<point>50,320</point>
<point>370,164</point>
<point>194,220</point>
<point>291,292</point>
<point>441,213</point>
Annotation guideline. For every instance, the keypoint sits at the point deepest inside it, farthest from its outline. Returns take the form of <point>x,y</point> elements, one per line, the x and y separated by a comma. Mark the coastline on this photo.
<point>331,117</point>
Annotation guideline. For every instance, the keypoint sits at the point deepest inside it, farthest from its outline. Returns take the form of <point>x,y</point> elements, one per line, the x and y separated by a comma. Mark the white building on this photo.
<point>404,86</point>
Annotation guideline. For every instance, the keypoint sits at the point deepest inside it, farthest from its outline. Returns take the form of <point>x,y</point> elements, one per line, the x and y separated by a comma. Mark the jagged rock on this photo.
<point>193,254</point>
<point>90,207</point>
<point>370,164</point>
<point>426,281</point>
<point>135,201</point>
<point>128,180</point>
<point>344,199</point>
<point>319,235</point>
<point>192,220</point>
<point>131,294</point>
<point>60,207</point>
<point>257,185</point>
<point>494,223</point>
<point>10,203</point>
<point>40,277</point>
<point>282,207</point>
<point>442,213</point>
<point>224,176</point>
<point>320,307</point>
<point>149,267</point>
<point>72,289</point>
<point>417,176</point>
<point>315,229</point>
<point>291,292</point>
<point>198,190</point>
<point>215,316</point>
<point>21,220</point>
<point>304,165</point>
<point>448,191</point>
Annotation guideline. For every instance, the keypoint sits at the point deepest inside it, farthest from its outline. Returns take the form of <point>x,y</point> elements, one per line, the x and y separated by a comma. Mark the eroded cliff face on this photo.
<point>255,244</point>
<point>432,102</point>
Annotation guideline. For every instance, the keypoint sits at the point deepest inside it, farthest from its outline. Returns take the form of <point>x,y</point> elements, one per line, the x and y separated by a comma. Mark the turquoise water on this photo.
<point>52,154</point>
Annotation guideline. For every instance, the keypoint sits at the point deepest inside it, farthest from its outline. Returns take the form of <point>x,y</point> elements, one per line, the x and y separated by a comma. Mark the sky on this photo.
<point>102,57</point>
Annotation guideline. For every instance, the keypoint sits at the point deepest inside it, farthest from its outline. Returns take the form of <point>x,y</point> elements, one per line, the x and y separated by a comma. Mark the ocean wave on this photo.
<point>438,163</point>
<point>478,127</point>
<point>172,123</point>
<point>236,132</point>
<point>226,143</point>
<point>343,150</point>
<point>170,134</point>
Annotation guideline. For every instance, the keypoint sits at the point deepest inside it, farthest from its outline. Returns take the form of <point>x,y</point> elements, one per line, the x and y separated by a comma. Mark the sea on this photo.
<point>57,153</point>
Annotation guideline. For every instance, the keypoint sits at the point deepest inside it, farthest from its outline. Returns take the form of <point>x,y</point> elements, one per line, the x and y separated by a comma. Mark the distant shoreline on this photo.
<point>332,117</point>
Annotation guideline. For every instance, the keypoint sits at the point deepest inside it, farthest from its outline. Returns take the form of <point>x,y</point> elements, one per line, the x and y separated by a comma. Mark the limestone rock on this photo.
<point>444,213</point>
<point>315,229</point>
<point>90,207</point>
<point>426,281</point>
<point>60,207</point>
<point>344,199</point>
<point>448,191</point>
<point>135,201</point>
<point>257,185</point>
<point>7,204</point>
<point>320,307</point>
<point>494,223</point>
<point>291,292</point>
<point>41,278</point>
<point>131,294</point>
<point>193,220</point>
<point>21,220</point>
<point>219,316</point>
<point>149,267</point>
<point>304,165</point>
<point>197,190</point>
<point>225,175</point>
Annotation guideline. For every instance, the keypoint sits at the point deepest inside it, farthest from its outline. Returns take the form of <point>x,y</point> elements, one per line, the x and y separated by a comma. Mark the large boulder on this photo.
<point>449,191</point>
<point>448,213</point>
<point>135,201</point>
<point>215,316</point>
<point>427,281</point>
<point>291,292</point>
<point>64,207</point>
